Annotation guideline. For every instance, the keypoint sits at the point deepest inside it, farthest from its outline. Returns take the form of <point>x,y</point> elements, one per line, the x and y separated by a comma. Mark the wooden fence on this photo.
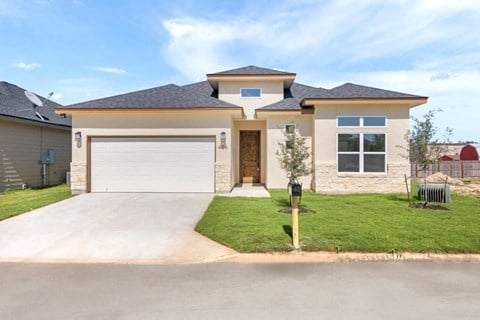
<point>454,169</point>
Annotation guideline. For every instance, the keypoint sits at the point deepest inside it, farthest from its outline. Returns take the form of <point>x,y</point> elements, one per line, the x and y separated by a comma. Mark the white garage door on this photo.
<point>152,165</point>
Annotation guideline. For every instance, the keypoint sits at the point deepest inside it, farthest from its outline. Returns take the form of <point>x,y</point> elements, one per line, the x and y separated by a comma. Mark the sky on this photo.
<point>87,49</point>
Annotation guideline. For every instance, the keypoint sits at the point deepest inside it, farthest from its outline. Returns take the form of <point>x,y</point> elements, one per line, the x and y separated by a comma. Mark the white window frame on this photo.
<point>241,96</point>
<point>361,154</point>
<point>361,125</point>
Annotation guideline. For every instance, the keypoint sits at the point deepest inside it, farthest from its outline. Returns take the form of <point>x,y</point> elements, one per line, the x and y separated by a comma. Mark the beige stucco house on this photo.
<point>35,143</point>
<point>211,135</point>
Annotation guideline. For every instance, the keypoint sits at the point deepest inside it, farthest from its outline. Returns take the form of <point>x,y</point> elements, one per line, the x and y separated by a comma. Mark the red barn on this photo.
<point>469,152</point>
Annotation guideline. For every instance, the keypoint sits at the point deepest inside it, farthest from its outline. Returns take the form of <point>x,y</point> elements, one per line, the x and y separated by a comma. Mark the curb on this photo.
<point>331,257</point>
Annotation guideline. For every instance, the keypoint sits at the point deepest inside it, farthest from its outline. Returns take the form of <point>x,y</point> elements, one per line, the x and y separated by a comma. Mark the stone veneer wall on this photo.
<point>78,177</point>
<point>222,178</point>
<point>328,180</point>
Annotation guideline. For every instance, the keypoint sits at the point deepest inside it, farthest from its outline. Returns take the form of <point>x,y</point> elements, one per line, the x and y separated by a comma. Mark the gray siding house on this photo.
<point>35,143</point>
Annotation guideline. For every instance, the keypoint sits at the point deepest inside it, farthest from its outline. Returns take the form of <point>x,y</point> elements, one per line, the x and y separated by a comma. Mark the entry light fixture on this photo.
<point>223,140</point>
<point>78,136</point>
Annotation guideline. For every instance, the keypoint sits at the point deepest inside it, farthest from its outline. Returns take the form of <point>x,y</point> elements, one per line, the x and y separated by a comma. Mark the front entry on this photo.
<point>250,156</point>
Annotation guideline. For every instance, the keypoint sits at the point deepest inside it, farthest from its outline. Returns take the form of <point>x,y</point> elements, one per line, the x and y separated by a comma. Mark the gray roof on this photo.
<point>252,70</point>
<point>294,96</point>
<point>202,87</point>
<point>168,96</point>
<point>14,104</point>
<point>204,94</point>
<point>353,91</point>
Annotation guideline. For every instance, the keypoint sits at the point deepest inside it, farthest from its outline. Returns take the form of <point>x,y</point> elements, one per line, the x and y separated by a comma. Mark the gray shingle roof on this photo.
<point>14,104</point>
<point>251,70</point>
<point>168,96</point>
<point>202,87</point>
<point>204,94</point>
<point>293,97</point>
<point>352,91</point>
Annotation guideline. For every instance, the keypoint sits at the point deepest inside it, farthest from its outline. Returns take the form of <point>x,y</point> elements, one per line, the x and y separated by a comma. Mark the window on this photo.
<point>362,121</point>
<point>349,121</point>
<point>250,92</point>
<point>374,121</point>
<point>361,152</point>
<point>289,128</point>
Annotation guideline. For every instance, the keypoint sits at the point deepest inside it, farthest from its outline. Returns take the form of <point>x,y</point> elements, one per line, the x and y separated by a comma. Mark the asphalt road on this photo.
<point>241,291</point>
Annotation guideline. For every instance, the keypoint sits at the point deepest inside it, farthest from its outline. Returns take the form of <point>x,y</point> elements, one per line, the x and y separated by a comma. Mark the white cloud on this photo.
<point>111,70</point>
<point>75,90</point>
<point>25,66</point>
<point>426,47</point>
<point>57,96</point>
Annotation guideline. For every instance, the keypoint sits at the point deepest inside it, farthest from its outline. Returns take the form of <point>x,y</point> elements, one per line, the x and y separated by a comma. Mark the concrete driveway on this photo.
<point>112,227</point>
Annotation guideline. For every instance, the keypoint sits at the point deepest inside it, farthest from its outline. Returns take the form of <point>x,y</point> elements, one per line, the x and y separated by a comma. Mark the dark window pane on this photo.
<point>374,163</point>
<point>374,121</point>
<point>348,142</point>
<point>373,142</point>
<point>289,128</point>
<point>348,163</point>
<point>348,121</point>
<point>251,92</point>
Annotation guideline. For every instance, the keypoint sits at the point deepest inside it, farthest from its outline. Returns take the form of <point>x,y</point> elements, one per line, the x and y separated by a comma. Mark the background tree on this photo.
<point>424,147</point>
<point>293,154</point>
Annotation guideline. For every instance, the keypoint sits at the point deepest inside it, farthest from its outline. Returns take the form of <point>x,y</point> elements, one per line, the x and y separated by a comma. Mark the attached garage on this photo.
<point>152,164</point>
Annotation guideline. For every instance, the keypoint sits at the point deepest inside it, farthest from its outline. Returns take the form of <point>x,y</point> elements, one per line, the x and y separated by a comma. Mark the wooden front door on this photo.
<point>250,156</point>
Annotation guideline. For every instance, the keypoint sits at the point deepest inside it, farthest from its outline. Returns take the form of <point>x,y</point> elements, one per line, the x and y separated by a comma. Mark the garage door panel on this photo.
<point>152,164</point>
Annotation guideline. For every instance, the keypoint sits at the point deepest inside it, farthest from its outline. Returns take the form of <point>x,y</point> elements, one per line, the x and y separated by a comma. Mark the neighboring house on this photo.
<point>211,135</point>
<point>35,143</point>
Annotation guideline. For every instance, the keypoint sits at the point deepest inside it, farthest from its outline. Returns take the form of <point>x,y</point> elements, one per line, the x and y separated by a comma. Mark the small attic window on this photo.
<point>250,92</point>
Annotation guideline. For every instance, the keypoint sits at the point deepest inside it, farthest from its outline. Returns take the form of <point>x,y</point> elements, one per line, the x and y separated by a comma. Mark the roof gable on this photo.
<point>251,70</point>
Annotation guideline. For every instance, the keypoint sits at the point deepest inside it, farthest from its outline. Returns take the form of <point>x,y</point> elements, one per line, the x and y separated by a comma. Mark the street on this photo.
<point>240,291</point>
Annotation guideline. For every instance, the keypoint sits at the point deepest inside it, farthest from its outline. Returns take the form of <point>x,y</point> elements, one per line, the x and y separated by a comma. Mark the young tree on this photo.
<point>424,148</point>
<point>293,154</point>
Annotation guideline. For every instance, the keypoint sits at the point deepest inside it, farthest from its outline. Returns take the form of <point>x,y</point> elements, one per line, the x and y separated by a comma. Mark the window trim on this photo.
<point>361,153</point>
<point>361,121</point>
<point>260,96</point>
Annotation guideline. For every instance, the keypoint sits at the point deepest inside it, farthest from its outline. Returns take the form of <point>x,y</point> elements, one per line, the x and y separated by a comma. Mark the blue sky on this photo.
<point>86,49</point>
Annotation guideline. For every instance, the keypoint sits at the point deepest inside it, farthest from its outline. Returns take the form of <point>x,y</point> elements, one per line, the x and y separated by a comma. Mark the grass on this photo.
<point>16,202</point>
<point>359,222</point>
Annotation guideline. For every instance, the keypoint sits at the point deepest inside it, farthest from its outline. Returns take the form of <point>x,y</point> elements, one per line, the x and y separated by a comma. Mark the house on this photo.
<point>211,135</point>
<point>35,147</point>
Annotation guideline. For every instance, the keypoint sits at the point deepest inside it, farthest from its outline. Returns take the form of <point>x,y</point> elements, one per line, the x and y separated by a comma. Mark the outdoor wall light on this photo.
<point>223,140</point>
<point>78,136</point>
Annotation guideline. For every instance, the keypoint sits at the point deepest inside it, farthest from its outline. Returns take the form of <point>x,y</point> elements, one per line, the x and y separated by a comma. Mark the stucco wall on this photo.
<point>171,123</point>
<point>275,176</point>
<point>328,180</point>
<point>22,146</point>
<point>272,91</point>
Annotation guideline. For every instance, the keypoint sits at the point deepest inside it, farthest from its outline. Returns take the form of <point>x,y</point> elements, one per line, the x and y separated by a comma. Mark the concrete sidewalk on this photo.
<point>112,227</point>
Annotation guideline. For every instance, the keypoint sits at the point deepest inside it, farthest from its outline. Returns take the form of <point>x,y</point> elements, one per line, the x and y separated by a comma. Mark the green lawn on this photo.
<point>16,202</point>
<point>367,223</point>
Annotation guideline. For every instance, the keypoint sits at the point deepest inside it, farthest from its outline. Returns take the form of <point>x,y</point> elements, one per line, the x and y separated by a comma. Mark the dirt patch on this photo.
<point>456,185</point>
<point>428,206</point>
<point>288,210</point>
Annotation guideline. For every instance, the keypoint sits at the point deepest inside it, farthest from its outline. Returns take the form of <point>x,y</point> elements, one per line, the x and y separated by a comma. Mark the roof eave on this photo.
<point>288,78</point>
<point>35,122</point>
<point>410,101</point>
<point>131,109</point>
